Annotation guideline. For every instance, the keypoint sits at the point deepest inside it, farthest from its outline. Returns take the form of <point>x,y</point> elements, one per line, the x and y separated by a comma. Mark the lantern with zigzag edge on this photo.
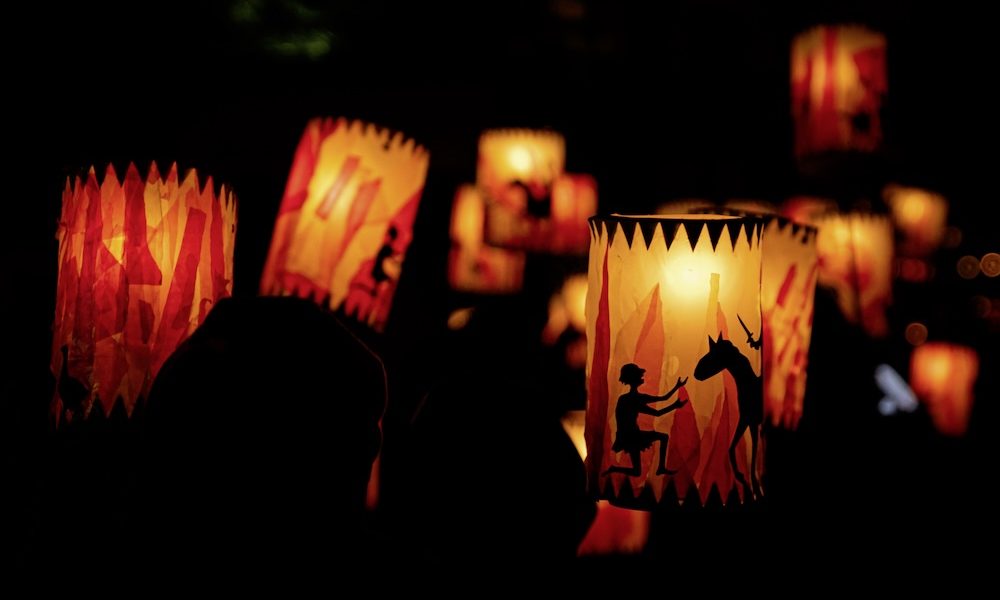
<point>674,386</point>
<point>943,377</point>
<point>346,218</point>
<point>838,82</point>
<point>855,260</point>
<point>141,262</point>
<point>472,265</point>
<point>920,215</point>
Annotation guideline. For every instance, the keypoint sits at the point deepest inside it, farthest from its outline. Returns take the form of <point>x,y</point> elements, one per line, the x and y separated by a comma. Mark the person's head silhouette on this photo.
<point>632,374</point>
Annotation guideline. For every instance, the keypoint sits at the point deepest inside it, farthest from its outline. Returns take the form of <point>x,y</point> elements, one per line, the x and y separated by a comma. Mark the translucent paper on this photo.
<point>943,377</point>
<point>472,265</point>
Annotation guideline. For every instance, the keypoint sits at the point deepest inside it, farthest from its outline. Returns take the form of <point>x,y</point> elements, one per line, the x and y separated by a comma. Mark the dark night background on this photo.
<point>657,100</point>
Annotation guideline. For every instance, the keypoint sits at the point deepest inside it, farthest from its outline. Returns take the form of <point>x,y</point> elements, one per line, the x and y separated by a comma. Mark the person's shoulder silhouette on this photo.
<point>261,431</point>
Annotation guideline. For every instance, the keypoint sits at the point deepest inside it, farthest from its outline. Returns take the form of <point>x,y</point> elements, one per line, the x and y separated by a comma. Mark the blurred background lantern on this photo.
<point>675,393</point>
<point>141,262</point>
<point>568,320</point>
<point>943,377</point>
<point>838,82</point>
<point>807,209</point>
<point>684,206</point>
<point>788,286</point>
<point>920,215</point>
<point>855,260</point>
<point>346,218</point>
<point>526,159</point>
<point>472,265</point>
<point>762,207</point>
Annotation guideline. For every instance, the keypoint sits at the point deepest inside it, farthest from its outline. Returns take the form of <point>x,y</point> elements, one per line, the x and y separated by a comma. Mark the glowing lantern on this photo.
<point>567,313</point>
<point>838,81</point>
<point>685,207</point>
<point>675,392</point>
<point>752,206</point>
<point>788,285</point>
<point>920,215</point>
<point>855,259</point>
<point>473,266</point>
<point>346,219</point>
<point>533,204</point>
<point>141,262</point>
<point>943,376</point>
<point>807,210</point>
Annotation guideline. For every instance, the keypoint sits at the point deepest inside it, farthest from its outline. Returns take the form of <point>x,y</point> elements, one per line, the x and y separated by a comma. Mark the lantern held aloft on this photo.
<point>838,83</point>
<point>346,219</point>
<point>675,389</point>
<point>141,263</point>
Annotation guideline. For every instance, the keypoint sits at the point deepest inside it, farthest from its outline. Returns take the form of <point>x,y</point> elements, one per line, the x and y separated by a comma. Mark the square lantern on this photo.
<point>674,361</point>
<point>346,219</point>
<point>533,204</point>
<point>838,83</point>
<point>943,377</point>
<point>472,265</point>
<point>141,262</point>
<point>855,260</point>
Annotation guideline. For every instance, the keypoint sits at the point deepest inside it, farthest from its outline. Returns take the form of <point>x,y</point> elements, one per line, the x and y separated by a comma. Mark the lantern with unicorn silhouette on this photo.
<point>675,393</point>
<point>141,262</point>
<point>346,218</point>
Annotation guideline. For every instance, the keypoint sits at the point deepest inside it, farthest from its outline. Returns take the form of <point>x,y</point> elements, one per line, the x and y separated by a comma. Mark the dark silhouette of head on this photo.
<point>720,353</point>
<point>262,429</point>
<point>632,374</point>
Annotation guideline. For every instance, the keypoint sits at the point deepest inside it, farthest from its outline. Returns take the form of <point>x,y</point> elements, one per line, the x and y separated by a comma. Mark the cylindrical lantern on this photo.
<point>141,262</point>
<point>533,204</point>
<point>788,285</point>
<point>346,218</point>
<point>855,259</point>
<point>920,215</point>
<point>675,392</point>
<point>473,266</point>
<point>838,82</point>
<point>943,376</point>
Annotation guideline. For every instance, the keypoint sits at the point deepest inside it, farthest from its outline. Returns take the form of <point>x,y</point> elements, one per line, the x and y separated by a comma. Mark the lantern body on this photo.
<point>920,215</point>
<point>568,320</point>
<point>838,82</point>
<point>673,330</point>
<point>855,260</point>
<point>472,265</point>
<point>788,285</point>
<point>806,209</point>
<point>346,218</point>
<point>943,376</point>
<point>533,204</point>
<point>141,262</point>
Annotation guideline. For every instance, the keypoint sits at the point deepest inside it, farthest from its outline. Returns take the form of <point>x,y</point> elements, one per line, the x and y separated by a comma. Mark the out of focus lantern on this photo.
<point>533,204</point>
<point>685,206</point>
<point>753,206</point>
<point>855,260</point>
<point>920,215</point>
<point>943,376</point>
<point>567,315</point>
<point>346,218</point>
<point>472,265</point>
<point>675,389</point>
<point>788,285</point>
<point>806,209</point>
<point>141,262</point>
<point>838,81</point>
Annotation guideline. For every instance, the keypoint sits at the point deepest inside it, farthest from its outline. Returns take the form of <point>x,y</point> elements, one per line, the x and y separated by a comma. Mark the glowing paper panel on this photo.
<point>141,262</point>
<point>838,81</point>
<point>920,215</point>
<point>943,376</point>
<point>472,265</point>
<point>675,389</point>
<point>346,219</point>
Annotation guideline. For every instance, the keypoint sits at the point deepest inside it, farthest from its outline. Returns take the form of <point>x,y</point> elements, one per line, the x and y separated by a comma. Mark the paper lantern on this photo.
<point>674,385</point>
<point>855,260</point>
<point>788,285</point>
<point>943,376</point>
<point>807,210</point>
<point>920,215</point>
<point>533,204</point>
<point>141,262</point>
<point>346,218</point>
<point>567,314</point>
<point>838,81</point>
<point>472,265</point>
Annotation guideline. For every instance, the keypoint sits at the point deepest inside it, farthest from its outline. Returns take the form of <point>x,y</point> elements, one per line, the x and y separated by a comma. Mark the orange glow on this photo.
<point>567,308</point>
<point>532,158</point>
<point>920,215</point>
<point>472,265</point>
<point>346,219</point>
<point>968,267</point>
<point>916,333</point>
<point>684,207</point>
<point>667,301</point>
<point>141,263</point>
<point>760,207</point>
<point>807,210</point>
<point>943,376</point>
<point>855,260</point>
<point>838,83</point>
<point>990,264</point>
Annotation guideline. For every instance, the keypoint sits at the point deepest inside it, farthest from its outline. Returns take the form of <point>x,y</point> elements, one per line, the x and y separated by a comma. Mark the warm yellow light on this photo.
<point>574,295</point>
<point>943,377</point>
<point>520,161</point>
<point>472,265</point>
<point>920,215</point>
